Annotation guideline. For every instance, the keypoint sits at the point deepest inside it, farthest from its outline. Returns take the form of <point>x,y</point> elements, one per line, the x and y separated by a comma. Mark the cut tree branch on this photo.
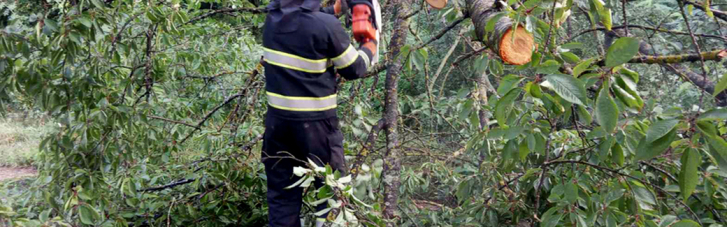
<point>514,46</point>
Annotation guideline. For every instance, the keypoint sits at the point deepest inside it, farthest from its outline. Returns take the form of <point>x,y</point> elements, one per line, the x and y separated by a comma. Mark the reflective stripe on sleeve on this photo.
<point>296,103</point>
<point>347,58</point>
<point>294,62</point>
<point>365,58</point>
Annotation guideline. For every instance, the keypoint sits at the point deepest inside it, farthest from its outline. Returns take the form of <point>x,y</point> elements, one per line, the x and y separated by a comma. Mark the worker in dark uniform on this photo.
<point>304,49</point>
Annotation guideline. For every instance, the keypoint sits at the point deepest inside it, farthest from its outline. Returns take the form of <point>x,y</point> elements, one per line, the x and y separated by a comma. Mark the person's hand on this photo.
<point>339,7</point>
<point>371,45</point>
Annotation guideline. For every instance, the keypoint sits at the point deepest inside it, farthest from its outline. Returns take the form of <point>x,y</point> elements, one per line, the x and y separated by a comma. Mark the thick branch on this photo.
<point>514,46</point>
<point>715,55</point>
<point>392,161</point>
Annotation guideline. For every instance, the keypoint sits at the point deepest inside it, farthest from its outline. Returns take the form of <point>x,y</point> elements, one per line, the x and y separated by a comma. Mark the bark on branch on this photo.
<point>514,46</point>
<point>715,55</point>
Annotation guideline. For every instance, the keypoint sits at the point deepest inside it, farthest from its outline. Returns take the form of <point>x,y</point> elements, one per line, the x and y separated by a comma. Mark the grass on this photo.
<point>19,140</point>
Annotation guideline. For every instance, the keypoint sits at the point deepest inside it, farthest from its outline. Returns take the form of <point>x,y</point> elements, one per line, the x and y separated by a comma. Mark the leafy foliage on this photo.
<point>161,106</point>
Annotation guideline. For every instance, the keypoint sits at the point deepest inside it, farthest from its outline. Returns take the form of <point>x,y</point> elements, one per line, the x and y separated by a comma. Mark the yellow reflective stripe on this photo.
<point>300,97</point>
<point>295,56</point>
<point>294,68</point>
<point>295,62</point>
<point>297,103</point>
<point>347,58</point>
<point>364,57</point>
<point>303,109</point>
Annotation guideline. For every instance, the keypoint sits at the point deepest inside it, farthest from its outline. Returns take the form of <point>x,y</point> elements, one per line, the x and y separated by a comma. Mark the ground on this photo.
<point>20,135</point>
<point>7,173</point>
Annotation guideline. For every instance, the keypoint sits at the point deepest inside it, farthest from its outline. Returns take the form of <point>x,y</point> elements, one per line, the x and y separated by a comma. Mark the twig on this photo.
<point>172,121</point>
<point>717,13</point>
<point>647,28</point>
<point>696,47</point>
<point>174,184</point>
<point>442,32</point>
<point>711,208</point>
<point>224,11</point>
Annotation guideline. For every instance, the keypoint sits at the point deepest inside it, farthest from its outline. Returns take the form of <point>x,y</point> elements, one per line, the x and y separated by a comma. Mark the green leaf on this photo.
<point>718,150</point>
<point>534,89</point>
<point>688,177</point>
<point>720,86</point>
<point>507,83</point>
<point>569,88</point>
<point>552,217</point>
<point>570,57</point>
<point>419,59</point>
<point>633,75</point>
<point>605,17</point>
<point>582,67</point>
<point>504,105</point>
<point>646,150</point>
<point>659,129</point>
<point>571,192</point>
<point>685,223</point>
<point>715,114</point>
<point>621,51</point>
<point>85,21</point>
<point>584,115</point>
<point>617,154</point>
<point>97,3</point>
<point>706,6</point>
<point>88,214</point>
<point>606,110</point>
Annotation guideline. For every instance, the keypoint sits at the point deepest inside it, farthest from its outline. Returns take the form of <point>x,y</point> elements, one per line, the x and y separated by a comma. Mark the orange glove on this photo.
<point>337,7</point>
<point>371,45</point>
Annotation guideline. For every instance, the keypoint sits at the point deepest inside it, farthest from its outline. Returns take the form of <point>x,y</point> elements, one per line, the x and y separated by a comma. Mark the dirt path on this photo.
<point>16,172</point>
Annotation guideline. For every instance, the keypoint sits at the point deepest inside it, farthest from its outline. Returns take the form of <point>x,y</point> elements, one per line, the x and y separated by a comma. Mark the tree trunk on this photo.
<point>515,51</point>
<point>392,162</point>
<point>704,84</point>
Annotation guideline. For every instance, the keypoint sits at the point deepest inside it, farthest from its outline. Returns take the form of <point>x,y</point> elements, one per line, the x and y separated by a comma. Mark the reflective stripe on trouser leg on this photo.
<point>295,62</point>
<point>293,103</point>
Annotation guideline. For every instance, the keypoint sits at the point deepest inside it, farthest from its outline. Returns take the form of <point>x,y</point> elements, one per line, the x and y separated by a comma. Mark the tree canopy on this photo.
<point>483,113</point>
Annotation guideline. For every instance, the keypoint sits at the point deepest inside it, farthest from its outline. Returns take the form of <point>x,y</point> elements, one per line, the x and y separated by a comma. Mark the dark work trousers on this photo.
<point>318,140</point>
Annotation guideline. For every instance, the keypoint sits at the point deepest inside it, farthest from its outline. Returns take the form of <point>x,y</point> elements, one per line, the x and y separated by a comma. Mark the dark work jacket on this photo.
<point>301,66</point>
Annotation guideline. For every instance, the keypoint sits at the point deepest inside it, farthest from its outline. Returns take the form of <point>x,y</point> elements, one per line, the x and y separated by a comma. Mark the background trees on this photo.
<point>614,121</point>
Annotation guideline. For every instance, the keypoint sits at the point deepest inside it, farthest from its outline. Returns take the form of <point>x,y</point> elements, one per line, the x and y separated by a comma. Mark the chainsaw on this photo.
<point>365,22</point>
